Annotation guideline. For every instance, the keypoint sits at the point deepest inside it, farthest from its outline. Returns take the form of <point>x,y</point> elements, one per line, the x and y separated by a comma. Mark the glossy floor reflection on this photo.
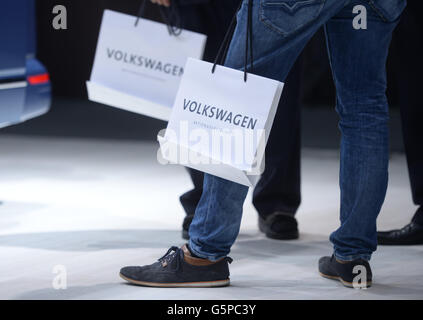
<point>94,206</point>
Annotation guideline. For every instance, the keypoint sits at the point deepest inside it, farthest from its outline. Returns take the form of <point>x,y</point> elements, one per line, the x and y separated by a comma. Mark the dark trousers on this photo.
<point>408,40</point>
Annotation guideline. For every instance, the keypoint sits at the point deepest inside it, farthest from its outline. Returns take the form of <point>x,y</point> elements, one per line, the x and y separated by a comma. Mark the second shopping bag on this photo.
<point>139,63</point>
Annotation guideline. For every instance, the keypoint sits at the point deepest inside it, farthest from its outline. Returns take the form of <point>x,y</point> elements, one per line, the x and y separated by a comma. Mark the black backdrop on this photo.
<point>69,54</point>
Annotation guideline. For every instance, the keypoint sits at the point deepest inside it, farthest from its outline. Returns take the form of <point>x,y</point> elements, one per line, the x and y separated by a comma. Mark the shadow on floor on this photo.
<point>252,251</point>
<point>274,289</point>
<point>92,240</point>
<point>68,293</point>
<point>254,244</point>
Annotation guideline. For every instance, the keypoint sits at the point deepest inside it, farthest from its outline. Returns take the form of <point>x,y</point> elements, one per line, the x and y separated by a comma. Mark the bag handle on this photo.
<point>224,47</point>
<point>169,15</point>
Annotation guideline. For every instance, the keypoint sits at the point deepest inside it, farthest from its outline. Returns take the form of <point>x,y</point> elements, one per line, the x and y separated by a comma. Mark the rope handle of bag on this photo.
<point>224,47</point>
<point>170,17</point>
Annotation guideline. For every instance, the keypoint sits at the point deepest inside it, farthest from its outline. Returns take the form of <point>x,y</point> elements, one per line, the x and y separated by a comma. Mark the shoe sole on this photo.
<point>285,236</point>
<point>393,243</point>
<point>345,283</point>
<point>201,284</point>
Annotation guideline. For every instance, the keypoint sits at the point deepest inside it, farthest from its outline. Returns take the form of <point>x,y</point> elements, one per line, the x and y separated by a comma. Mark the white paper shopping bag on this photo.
<point>220,123</point>
<point>138,68</point>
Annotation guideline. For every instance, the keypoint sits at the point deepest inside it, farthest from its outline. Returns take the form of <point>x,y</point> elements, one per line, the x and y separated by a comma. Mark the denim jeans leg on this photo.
<point>358,59</point>
<point>217,218</point>
<point>276,47</point>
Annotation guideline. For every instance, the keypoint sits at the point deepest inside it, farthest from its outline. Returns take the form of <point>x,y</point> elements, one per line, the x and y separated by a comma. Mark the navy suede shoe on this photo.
<point>178,268</point>
<point>349,273</point>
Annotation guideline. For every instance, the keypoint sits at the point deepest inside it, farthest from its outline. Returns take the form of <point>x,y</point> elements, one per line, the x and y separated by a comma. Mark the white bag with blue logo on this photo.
<point>220,123</point>
<point>138,68</point>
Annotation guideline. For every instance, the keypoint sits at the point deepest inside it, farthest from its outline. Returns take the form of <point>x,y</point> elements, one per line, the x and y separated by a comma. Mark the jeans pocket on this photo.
<point>388,10</point>
<point>287,16</point>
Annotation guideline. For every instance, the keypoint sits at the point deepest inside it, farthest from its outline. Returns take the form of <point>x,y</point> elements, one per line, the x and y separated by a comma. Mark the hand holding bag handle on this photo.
<point>169,15</point>
<point>224,47</point>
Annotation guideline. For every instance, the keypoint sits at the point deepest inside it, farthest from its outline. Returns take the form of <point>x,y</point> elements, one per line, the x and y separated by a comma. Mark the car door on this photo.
<point>13,48</point>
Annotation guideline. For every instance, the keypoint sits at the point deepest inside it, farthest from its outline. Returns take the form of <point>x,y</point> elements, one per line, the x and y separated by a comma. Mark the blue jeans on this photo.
<point>281,29</point>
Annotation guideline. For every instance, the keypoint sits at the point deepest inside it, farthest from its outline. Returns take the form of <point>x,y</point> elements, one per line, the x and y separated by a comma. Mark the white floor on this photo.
<point>95,206</point>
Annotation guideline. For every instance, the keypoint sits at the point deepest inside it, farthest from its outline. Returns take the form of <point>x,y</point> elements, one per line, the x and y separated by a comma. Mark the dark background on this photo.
<point>68,55</point>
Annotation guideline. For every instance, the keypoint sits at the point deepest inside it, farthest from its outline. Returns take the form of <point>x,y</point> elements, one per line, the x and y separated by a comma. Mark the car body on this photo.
<point>25,88</point>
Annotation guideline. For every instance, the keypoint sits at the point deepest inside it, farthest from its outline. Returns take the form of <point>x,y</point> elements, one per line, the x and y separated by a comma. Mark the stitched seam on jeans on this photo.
<point>208,204</point>
<point>264,59</point>
<point>371,4</point>
<point>328,48</point>
<point>263,19</point>
<point>291,9</point>
<point>266,21</point>
<point>270,26</point>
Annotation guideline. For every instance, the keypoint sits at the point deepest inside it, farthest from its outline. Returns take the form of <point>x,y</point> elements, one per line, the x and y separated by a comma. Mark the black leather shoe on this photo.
<point>185,226</point>
<point>411,234</point>
<point>280,226</point>
<point>347,272</point>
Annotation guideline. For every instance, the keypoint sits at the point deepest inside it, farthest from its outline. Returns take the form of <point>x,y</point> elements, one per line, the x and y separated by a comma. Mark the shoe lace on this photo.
<point>170,255</point>
<point>175,253</point>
